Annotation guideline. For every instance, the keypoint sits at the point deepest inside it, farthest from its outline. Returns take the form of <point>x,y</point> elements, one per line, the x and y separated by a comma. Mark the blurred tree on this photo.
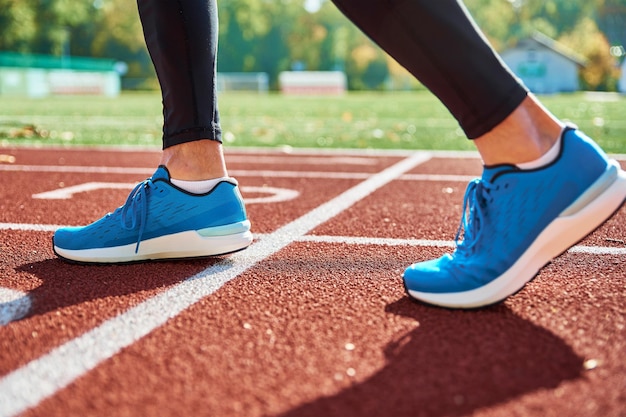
<point>334,49</point>
<point>364,67</point>
<point>263,35</point>
<point>304,40</point>
<point>55,20</point>
<point>272,36</point>
<point>506,22</point>
<point>600,72</point>
<point>42,26</point>
<point>346,48</point>
<point>17,25</point>
<point>116,32</point>
<point>496,18</point>
<point>611,18</point>
<point>118,24</point>
<point>252,36</point>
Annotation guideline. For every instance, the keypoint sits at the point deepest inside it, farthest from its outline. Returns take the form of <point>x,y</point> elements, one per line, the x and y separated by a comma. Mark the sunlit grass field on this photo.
<point>412,120</point>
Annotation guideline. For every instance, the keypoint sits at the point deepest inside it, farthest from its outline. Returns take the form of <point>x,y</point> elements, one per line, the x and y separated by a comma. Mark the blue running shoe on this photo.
<point>516,221</point>
<point>161,221</point>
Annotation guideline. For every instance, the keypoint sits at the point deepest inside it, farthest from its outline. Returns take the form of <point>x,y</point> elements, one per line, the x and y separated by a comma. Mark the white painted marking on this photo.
<point>13,305</point>
<point>77,169</point>
<point>68,192</point>
<point>29,227</point>
<point>302,160</point>
<point>436,177</point>
<point>349,240</point>
<point>43,377</point>
<point>348,175</point>
<point>277,194</point>
<point>598,250</point>
<point>234,172</point>
<point>301,174</point>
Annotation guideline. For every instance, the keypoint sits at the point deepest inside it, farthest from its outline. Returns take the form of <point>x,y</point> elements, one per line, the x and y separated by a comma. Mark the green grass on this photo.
<point>357,120</point>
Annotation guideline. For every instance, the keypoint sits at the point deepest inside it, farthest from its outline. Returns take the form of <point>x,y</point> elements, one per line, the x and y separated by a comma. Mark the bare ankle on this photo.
<point>527,134</point>
<point>194,161</point>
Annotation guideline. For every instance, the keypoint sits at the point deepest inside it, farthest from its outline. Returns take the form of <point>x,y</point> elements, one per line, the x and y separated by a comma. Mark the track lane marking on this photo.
<point>14,305</point>
<point>30,227</point>
<point>276,194</point>
<point>233,172</point>
<point>349,240</point>
<point>590,250</point>
<point>41,378</point>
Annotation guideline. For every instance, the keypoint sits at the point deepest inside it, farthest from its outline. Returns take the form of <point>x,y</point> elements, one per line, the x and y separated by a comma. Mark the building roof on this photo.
<point>555,46</point>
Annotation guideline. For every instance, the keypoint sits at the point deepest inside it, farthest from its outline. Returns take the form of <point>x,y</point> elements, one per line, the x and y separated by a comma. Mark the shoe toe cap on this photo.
<point>65,237</point>
<point>75,238</point>
<point>439,276</point>
<point>427,276</point>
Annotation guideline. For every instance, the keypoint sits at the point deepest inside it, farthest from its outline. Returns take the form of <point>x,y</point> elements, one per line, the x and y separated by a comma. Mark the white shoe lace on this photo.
<point>135,209</point>
<point>472,221</point>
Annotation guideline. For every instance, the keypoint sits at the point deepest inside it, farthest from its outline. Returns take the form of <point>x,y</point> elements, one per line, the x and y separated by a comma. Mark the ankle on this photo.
<point>547,158</point>
<point>195,161</point>
<point>525,136</point>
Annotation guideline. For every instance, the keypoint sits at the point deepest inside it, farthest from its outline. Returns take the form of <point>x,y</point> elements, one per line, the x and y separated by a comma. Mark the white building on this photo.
<point>313,82</point>
<point>621,85</point>
<point>544,65</point>
<point>44,75</point>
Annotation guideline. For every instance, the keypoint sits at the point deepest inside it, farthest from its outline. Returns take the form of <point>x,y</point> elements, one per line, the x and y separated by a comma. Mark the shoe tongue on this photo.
<point>491,172</point>
<point>161,174</point>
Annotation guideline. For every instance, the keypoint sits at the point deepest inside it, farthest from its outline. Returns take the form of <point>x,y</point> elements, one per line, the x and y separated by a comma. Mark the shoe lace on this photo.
<point>472,220</point>
<point>135,209</point>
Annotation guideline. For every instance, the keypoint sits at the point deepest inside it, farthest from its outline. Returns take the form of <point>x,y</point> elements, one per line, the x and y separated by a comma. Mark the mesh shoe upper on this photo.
<point>504,212</point>
<point>156,208</point>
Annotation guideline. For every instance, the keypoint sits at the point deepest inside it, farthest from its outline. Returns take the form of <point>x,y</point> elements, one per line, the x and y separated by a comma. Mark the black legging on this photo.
<point>436,40</point>
<point>181,36</point>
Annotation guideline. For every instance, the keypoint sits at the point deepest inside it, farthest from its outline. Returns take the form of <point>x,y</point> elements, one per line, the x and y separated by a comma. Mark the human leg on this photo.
<point>515,218</point>
<point>438,43</point>
<point>182,40</point>
<point>189,207</point>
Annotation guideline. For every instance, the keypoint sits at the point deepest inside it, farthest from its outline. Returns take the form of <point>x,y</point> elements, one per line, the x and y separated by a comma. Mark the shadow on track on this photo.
<point>453,363</point>
<point>65,284</point>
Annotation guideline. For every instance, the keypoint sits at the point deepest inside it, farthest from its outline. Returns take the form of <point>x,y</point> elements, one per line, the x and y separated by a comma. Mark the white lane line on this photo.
<point>43,377</point>
<point>14,305</point>
<point>275,194</point>
<point>66,193</point>
<point>591,250</point>
<point>357,240</point>
<point>598,250</point>
<point>279,159</point>
<point>438,177</point>
<point>69,169</point>
<point>30,227</point>
<point>300,174</point>
<point>233,172</point>
<point>76,168</point>
<point>303,160</point>
<point>349,240</point>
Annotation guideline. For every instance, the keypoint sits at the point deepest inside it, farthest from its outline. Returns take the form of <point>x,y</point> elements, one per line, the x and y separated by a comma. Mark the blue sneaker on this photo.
<point>161,221</point>
<point>516,221</point>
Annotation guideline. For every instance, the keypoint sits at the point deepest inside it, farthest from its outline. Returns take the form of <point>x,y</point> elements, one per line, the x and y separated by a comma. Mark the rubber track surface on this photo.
<point>312,319</point>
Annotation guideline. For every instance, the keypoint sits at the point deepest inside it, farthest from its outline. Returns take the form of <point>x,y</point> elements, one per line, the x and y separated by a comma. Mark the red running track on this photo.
<point>312,319</point>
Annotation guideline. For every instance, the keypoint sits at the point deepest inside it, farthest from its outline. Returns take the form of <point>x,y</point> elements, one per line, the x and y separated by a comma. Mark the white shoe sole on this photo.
<point>582,217</point>
<point>189,244</point>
